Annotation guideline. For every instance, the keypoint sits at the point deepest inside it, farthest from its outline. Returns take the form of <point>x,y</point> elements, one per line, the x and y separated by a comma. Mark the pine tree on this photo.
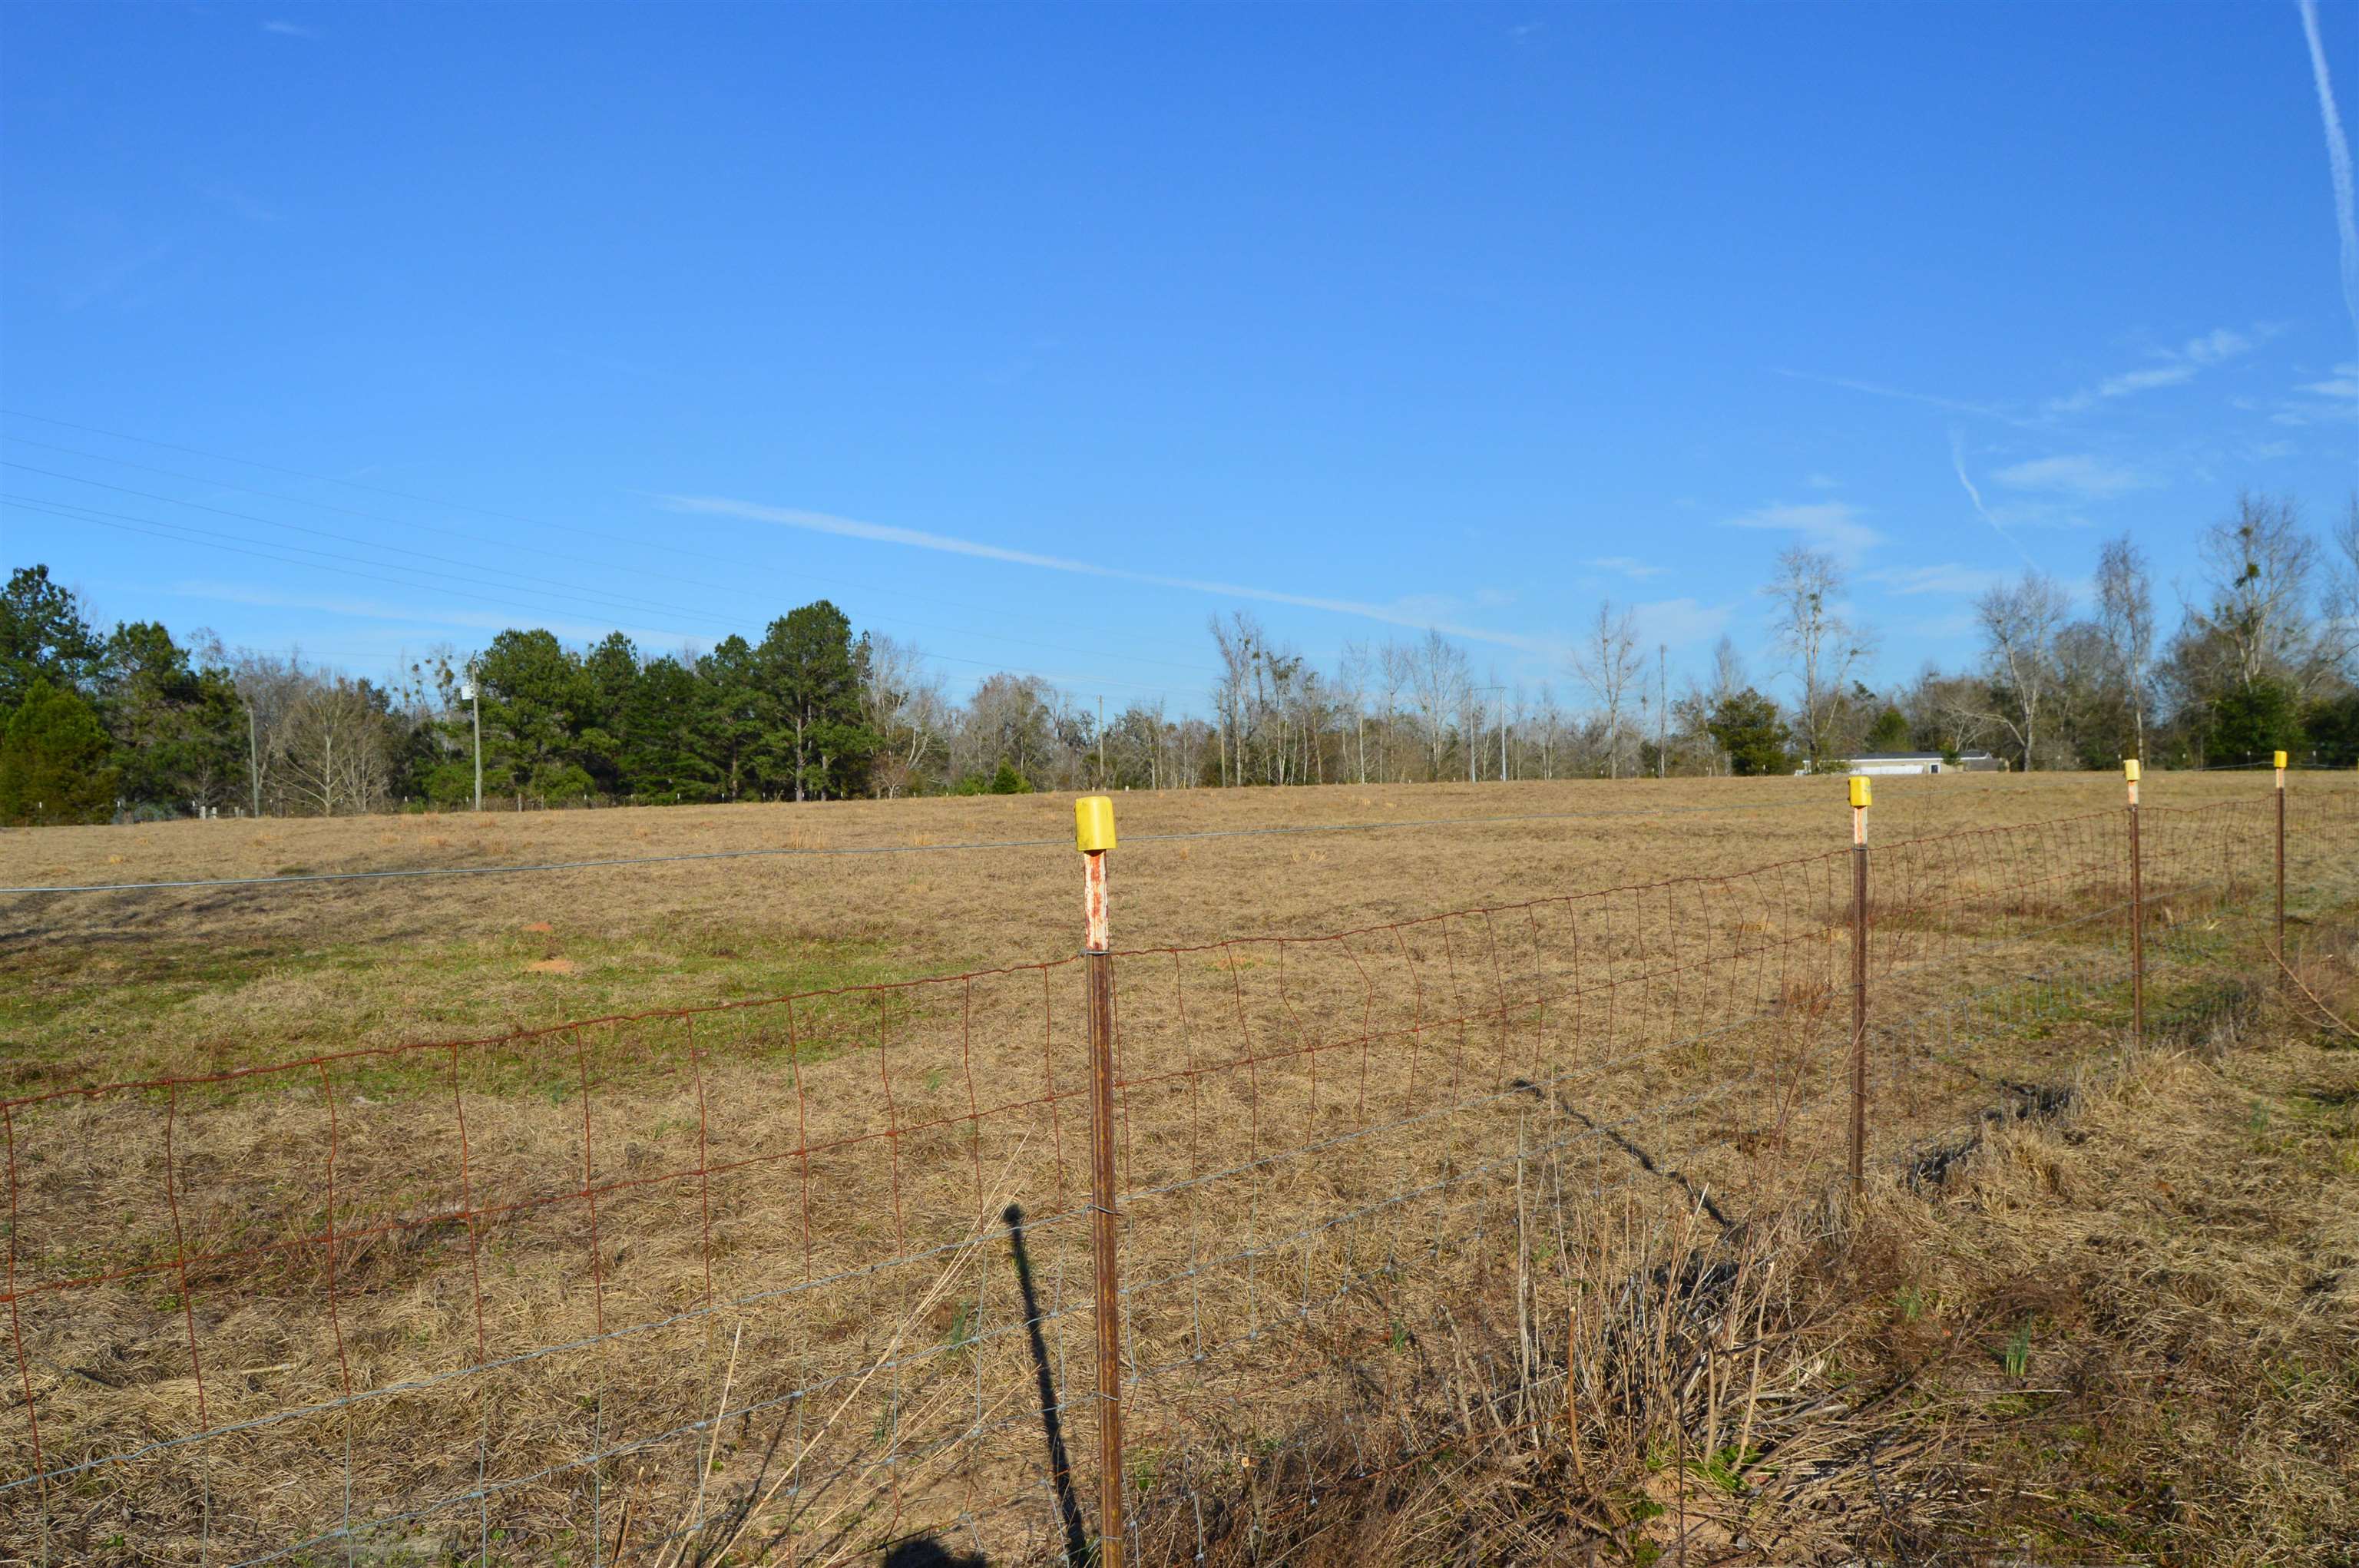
<point>664,751</point>
<point>179,730</point>
<point>610,677</point>
<point>44,635</point>
<point>814,734</point>
<point>1747,727</point>
<point>534,696</point>
<point>55,764</point>
<point>729,692</point>
<point>1890,732</point>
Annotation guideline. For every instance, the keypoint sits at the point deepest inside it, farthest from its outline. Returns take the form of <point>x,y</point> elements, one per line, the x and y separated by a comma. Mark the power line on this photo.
<point>635,544</point>
<point>152,527</point>
<point>601,601</point>
<point>1291,830</point>
<point>156,528</point>
<point>463,534</point>
<point>547,587</point>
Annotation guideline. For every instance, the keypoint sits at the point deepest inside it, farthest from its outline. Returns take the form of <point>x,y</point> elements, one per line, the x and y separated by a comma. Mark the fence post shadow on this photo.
<point>925,1551</point>
<point>1061,1467</point>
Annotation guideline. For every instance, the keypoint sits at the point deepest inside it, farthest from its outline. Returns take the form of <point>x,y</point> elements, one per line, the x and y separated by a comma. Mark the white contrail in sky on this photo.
<point>1958,461</point>
<point>2338,158</point>
<point>918,538</point>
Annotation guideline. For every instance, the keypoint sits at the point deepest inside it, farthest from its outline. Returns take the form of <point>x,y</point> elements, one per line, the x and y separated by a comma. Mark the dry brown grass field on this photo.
<point>105,986</point>
<point>399,1268</point>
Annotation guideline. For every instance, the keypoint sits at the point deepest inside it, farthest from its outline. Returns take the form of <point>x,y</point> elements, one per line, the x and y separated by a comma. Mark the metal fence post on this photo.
<point>2281,768</point>
<point>1861,798</point>
<point>1093,835</point>
<point>2137,913</point>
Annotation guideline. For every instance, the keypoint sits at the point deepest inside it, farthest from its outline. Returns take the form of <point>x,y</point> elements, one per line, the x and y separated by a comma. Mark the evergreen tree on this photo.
<point>1748,728</point>
<point>179,731</point>
<point>815,734</point>
<point>2249,721</point>
<point>665,744</point>
<point>2332,729</point>
<point>44,635</point>
<point>55,765</point>
<point>729,687</point>
<point>533,696</point>
<point>1890,731</point>
<point>610,675</point>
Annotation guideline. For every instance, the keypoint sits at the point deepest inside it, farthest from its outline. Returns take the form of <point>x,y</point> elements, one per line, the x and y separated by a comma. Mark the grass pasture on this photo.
<point>400,1247</point>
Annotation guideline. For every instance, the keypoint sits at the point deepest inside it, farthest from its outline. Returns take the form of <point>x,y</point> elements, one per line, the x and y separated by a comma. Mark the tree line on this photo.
<point>2264,656</point>
<point>131,724</point>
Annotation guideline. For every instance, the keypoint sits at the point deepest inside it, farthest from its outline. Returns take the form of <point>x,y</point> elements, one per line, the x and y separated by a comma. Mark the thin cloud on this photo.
<point>1679,623</point>
<point>1832,526</point>
<point>1955,404</point>
<point>2217,344</point>
<point>1628,566</point>
<point>2338,161</point>
<point>289,30</point>
<point>919,539</point>
<point>377,610</point>
<point>1950,577</point>
<point>2131,381</point>
<point>2179,366</point>
<point>111,279</point>
<point>2344,384</point>
<point>2077,474</point>
<point>1823,482</point>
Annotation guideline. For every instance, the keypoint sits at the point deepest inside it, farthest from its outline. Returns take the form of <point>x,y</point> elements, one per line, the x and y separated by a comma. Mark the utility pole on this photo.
<point>475,703</point>
<point>252,753</point>
<point>1662,704</point>
<point>1101,740</point>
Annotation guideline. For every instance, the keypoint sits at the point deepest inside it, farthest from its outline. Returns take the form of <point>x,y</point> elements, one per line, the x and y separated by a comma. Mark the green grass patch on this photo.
<point>180,1008</point>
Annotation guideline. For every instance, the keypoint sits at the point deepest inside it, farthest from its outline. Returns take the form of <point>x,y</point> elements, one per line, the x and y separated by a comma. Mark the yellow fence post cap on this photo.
<point>2130,768</point>
<point>1860,794</point>
<point>2281,759</point>
<point>1094,823</point>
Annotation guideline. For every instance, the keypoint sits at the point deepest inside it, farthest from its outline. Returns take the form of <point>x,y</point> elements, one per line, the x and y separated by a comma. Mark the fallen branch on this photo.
<point>2331,1016</point>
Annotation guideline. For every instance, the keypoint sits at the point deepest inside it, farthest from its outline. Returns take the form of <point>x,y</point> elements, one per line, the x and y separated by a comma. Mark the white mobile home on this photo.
<point>1878,763</point>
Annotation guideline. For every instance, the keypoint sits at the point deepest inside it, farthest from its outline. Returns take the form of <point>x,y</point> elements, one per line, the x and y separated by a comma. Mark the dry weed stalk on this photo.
<point>815,1519</point>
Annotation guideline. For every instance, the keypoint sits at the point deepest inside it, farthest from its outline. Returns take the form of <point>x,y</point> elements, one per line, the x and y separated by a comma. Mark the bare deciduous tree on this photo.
<point>2339,631</point>
<point>335,747</point>
<point>1438,683</point>
<point>1395,673</point>
<point>1350,690</point>
<point>1823,645</point>
<point>2257,565</point>
<point>2019,626</point>
<point>2126,616</point>
<point>905,705</point>
<point>269,687</point>
<point>1606,659</point>
<point>1728,675</point>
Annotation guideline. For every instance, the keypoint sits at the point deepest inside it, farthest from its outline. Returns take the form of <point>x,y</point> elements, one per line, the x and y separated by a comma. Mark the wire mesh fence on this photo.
<point>802,1276</point>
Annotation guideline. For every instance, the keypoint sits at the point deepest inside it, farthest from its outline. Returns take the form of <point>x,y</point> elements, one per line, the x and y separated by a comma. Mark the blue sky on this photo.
<point>1038,334</point>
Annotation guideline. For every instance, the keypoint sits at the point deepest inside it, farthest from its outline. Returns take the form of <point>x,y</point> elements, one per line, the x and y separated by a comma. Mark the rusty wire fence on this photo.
<point>797,1279</point>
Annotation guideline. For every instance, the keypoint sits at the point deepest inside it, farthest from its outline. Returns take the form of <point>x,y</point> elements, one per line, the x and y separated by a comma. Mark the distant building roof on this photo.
<point>1911,755</point>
